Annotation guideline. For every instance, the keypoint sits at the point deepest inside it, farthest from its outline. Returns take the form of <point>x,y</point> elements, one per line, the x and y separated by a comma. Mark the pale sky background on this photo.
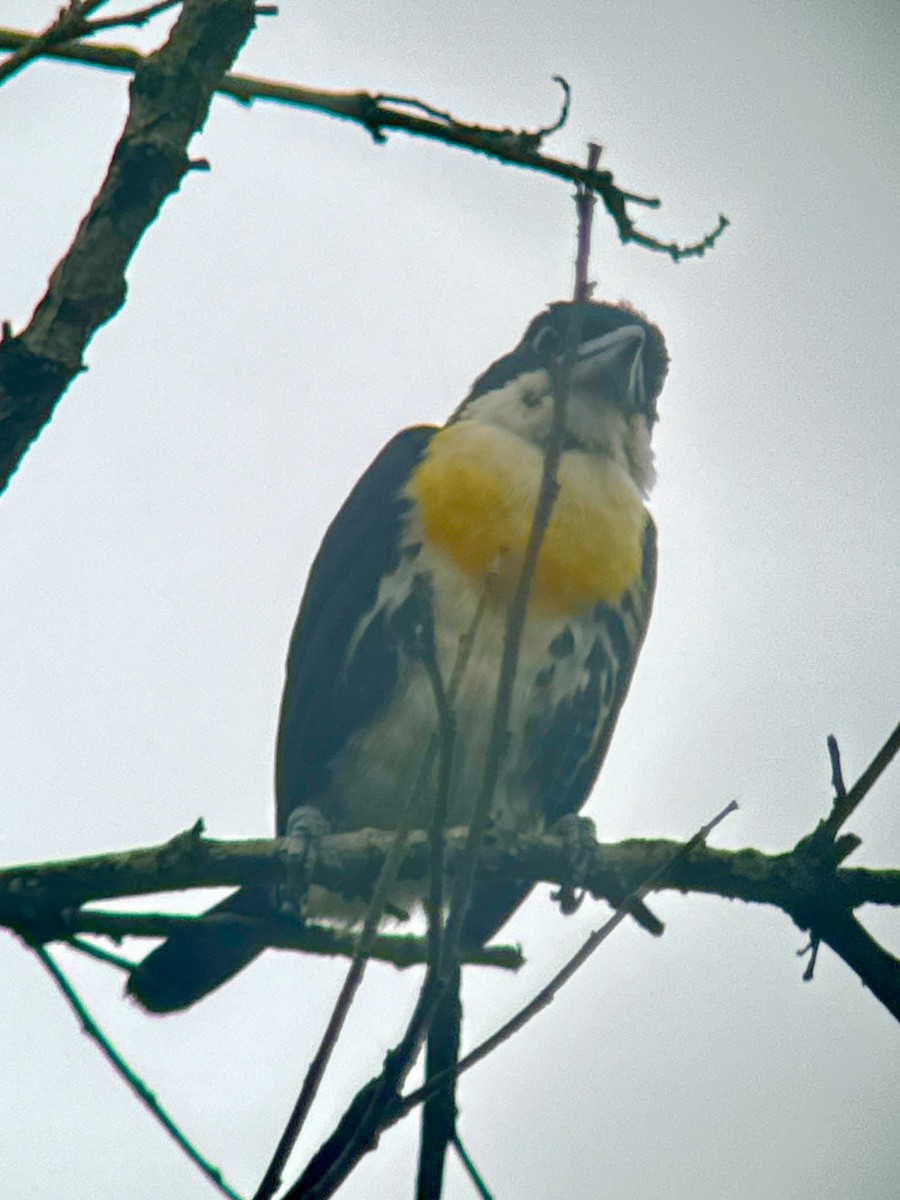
<point>287,314</point>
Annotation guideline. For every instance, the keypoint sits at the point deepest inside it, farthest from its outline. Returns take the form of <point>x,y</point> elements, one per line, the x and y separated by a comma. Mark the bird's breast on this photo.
<point>476,491</point>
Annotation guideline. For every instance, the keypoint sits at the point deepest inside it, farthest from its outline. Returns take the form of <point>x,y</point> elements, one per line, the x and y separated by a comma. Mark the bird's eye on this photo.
<point>531,399</point>
<point>545,342</point>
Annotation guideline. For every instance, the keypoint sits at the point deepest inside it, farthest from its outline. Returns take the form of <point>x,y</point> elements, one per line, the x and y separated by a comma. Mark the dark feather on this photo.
<point>325,698</point>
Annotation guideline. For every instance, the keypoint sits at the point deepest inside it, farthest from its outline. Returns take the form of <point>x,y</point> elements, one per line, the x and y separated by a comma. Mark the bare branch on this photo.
<point>38,896</point>
<point>34,900</point>
<point>442,744</point>
<point>439,1117</point>
<point>378,113</point>
<point>470,1169</point>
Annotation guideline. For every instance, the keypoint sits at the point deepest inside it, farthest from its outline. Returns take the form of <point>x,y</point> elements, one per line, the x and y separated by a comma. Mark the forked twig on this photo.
<point>548,993</point>
<point>377,113</point>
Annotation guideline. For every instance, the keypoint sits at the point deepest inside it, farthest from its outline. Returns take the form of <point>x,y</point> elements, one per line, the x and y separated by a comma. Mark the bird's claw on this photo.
<point>304,830</point>
<point>579,836</point>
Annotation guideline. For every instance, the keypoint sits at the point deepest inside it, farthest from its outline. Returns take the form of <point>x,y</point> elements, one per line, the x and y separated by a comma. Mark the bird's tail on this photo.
<point>198,959</point>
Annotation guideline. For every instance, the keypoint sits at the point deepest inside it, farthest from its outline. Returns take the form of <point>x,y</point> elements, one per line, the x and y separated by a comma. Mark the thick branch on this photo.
<point>170,97</point>
<point>822,898</point>
<point>349,863</point>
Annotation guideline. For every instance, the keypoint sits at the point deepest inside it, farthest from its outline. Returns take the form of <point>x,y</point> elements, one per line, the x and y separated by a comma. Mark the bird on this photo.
<point>454,506</point>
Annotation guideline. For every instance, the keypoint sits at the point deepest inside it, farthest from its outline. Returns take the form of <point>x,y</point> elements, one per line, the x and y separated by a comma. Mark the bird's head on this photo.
<point>618,371</point>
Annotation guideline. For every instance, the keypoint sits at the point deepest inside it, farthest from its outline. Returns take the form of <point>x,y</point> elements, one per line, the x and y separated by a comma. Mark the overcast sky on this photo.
<point>287,314</point>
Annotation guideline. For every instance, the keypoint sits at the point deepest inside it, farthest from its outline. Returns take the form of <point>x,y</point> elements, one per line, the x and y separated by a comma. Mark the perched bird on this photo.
<point>456,505</point>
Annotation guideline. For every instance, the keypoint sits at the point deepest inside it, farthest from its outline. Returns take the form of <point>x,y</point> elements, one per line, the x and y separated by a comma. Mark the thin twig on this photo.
<point>837,773</point>
<point>812,949</point>
<point>525,136</point>
<point>399,1061</point>
<point>136,19</point>
<point>548,993</point>
<point>438,1125</point>
<point>398,950</point>
<point>137,1085</point>
<point>470,1168</point>
<point>584,206</point>
<point>438,1122</point>
<point>434,902</point>
<point>114,960</point>
<point>876,967</point>
<point>515,622</point>
<point>271,1181</point>
<point>367,1115</point>
<point>372,1106</point>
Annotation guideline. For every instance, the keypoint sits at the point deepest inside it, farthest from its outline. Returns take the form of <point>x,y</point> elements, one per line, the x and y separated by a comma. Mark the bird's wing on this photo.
<point>568,741</point>
<point>324,704</point>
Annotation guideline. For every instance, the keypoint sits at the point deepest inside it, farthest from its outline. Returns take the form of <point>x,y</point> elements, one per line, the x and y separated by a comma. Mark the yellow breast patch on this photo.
<point>476,490</point>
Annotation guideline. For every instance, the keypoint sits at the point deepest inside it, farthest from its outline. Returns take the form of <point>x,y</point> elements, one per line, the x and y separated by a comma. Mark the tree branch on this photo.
<point>37,900</point>
<point>399,950</point>
<point>34,894</point>
<point>378,113</point>
<point>170,97</point>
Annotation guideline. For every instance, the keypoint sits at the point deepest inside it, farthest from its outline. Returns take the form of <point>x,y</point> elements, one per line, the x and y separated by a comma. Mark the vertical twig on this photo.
<point>437,1125</point>
<point>837,772</point>
<point>515,623</point>
<point>271,1180</point>
<point>372,1104</point>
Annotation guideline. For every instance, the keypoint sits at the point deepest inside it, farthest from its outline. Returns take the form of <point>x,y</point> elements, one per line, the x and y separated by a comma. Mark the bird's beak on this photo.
<point>614,363</point>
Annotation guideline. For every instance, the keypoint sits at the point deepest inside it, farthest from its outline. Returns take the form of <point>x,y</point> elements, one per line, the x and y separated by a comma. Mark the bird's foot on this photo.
<point>304,831</point>
<point>579,835</point>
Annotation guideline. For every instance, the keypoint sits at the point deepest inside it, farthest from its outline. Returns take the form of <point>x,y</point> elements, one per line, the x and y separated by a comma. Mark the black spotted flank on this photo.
<point>565,744</point>
<point>610,619</point>
<point>563,644</point>
<point>545,675</point>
